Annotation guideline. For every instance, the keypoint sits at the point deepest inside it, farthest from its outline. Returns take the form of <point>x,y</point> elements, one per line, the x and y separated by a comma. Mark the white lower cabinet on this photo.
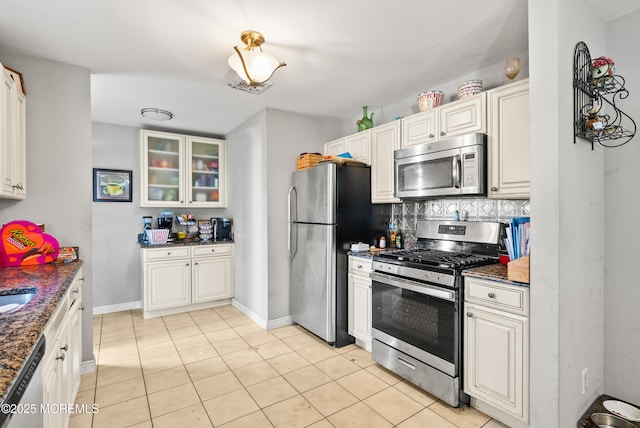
<point>185,278</point>
<point>496,345</point>
<point>359,300</point>
<point>62,360</point>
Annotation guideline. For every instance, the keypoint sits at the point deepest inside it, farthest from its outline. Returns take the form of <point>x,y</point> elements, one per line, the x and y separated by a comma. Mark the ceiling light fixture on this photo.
<point>156,114</point>
<point>253,65</point>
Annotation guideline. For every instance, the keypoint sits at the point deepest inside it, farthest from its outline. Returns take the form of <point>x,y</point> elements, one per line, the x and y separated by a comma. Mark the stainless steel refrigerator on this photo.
<point>329,209</point>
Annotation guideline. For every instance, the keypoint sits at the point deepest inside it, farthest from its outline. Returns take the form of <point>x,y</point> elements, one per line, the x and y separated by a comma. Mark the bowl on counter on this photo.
<point>609,420</point>
<point>182,234</point>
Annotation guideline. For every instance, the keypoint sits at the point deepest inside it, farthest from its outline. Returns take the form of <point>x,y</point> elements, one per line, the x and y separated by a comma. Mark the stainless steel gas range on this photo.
<point>417,303</point>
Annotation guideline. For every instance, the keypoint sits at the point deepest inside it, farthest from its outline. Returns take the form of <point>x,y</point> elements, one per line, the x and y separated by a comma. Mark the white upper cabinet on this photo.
<point>508,146</point>
<point>182,171</point>
<point>384,140</point>
<point>13,141</point>
<point>358,145</point>
<point>449,120</point>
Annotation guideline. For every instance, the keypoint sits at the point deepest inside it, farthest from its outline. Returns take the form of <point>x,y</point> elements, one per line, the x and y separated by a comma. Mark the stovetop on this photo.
<point>426,257</point>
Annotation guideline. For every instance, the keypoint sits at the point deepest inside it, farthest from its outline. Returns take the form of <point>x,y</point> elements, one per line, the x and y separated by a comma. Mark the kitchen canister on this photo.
<point>430,99</point>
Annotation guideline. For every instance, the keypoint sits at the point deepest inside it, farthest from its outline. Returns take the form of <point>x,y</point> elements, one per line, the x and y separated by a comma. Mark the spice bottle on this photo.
<point>383,242</point>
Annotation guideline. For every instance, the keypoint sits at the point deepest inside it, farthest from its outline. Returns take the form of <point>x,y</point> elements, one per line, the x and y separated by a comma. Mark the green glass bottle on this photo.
<point>365,122</point>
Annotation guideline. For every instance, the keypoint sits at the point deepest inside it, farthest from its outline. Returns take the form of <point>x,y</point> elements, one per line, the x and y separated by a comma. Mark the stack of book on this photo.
<point>517,240</point>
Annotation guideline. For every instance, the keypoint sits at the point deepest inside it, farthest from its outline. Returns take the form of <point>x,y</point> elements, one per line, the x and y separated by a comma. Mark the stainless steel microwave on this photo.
<point>453,167</point>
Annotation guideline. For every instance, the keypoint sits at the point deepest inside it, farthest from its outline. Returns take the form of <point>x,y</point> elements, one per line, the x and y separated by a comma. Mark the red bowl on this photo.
<point>504,259</point>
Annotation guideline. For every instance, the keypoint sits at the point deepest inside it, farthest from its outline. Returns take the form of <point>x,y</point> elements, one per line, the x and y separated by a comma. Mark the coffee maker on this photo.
<point>222,228</point>
<point>165,221</point>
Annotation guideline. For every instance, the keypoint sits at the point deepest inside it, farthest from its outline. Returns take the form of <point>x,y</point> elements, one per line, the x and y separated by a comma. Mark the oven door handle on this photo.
<point>414,286</point>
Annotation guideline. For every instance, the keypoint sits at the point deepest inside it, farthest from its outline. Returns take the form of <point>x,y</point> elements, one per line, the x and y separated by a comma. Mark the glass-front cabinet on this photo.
<point>206,173</point>
<point>180,170</point>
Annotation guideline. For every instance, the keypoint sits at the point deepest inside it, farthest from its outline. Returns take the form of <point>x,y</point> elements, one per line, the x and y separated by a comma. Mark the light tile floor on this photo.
<point>217,368</point>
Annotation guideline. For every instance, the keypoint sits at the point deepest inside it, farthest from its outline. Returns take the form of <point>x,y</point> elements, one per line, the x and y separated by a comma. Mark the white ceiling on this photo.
<point>340,54</point>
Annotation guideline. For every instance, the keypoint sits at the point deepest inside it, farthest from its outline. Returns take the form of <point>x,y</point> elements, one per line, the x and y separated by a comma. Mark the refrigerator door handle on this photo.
<point>291,205</point>
<point>295,240</point>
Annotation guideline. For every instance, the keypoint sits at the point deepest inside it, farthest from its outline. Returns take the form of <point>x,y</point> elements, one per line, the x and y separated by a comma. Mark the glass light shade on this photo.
<point>260,65</point>
<point>512,67</point>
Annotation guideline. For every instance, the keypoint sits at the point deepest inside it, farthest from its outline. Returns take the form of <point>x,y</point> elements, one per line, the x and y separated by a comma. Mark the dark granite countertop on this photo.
<point>598,407</point>
<point>494,272</point>
<point>185,243</point>
<point>19,331</point>
<point>368,254</point>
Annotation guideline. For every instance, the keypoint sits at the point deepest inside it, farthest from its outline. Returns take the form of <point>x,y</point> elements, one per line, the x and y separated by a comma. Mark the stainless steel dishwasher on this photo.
<point>24,397</point>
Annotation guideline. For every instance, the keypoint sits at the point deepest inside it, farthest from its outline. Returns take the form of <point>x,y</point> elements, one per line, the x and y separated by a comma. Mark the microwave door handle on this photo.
<point>455,171</point>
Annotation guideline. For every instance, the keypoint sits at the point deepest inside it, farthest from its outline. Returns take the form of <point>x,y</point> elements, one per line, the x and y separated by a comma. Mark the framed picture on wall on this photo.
<point>111,185</point>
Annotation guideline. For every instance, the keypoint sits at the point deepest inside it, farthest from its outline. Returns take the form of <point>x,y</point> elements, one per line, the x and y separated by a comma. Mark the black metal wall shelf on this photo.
<point>596,117</point>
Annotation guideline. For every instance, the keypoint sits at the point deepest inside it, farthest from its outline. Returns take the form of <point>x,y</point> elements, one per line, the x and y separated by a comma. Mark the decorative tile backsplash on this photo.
<point>406,214</point>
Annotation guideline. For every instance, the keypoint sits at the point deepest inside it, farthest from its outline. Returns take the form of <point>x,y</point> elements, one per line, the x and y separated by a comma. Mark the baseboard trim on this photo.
<point>248,312</point>
<point>88,366</point>
<point>118,307</point>
<point>266,324</point>
<point>279,322</point>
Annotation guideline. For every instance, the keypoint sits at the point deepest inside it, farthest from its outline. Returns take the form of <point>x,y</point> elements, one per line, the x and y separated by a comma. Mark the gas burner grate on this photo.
<point>430,257</point>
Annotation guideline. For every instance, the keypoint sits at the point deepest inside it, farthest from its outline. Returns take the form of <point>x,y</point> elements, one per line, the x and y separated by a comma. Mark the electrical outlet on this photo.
<point>585,380</point>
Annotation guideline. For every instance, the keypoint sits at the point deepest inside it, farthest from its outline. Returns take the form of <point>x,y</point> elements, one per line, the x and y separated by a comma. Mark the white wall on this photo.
<point>58,160</point>
<point>247,172</point>
<point>116,224</point>
<point>567,198</point>
<point>491,77</point>
<point>622,293</point>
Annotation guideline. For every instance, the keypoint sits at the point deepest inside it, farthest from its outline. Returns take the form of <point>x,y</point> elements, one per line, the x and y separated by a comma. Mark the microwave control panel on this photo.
<point>470,170</point>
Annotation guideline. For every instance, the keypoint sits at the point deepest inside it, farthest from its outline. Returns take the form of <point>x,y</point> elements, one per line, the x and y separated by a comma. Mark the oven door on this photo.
<point>419,319</point>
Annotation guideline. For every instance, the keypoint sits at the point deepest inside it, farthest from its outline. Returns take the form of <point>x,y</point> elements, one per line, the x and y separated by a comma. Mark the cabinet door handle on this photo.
<point>196,263</point>
<point>442,133</point>
<point>65,348</point>
<point>492,295</point>
<point>76,291</point>
<point>494,189</point>
<point>61,357</point>
<point>82,279</point>
<point>188,264</point>
<point>169,253</point>
<point>213,250</point>
<point>82,307</point>
<point>469,314</point>
<point>359,266</point>
<point>190,202</point>
<point>431,135</point>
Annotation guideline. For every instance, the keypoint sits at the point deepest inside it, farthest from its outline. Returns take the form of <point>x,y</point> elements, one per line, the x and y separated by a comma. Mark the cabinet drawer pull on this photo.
<point>443,133</point>
<point>494,189</point>
<point>196,263</point>
<point>492,295</point>
<point>82,307</point>
<point>469,314</point>
<point>213,250</point>
<point>82,279</point>
<point>359,266</point>
<point>61,357</point>
<point>65,348</point>
<point>431,135</point>
<point>168,253</point>
<point>188,264</point>
<point>76,291</point>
